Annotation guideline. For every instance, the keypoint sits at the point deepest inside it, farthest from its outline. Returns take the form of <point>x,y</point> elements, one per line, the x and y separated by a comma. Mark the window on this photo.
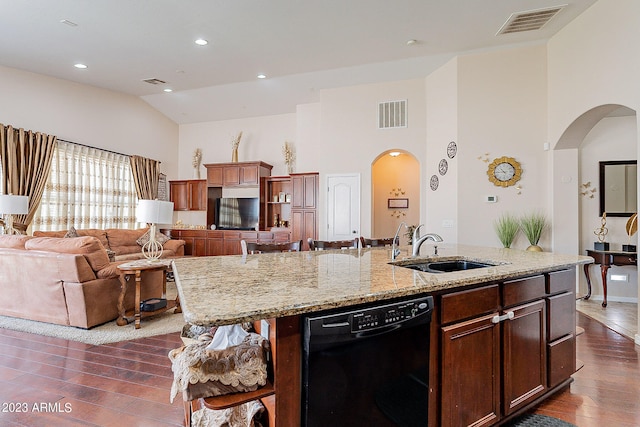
<point>87,188</point>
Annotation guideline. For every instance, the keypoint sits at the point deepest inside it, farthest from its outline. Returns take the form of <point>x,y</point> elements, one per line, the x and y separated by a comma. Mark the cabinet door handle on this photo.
<point>498,319</point>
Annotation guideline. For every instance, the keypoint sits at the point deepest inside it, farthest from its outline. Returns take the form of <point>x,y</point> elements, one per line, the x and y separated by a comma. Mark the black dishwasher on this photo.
<point>367,365</point>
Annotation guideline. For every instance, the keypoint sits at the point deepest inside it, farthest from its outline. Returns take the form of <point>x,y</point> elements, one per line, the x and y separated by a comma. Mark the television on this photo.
<point>237,213</point>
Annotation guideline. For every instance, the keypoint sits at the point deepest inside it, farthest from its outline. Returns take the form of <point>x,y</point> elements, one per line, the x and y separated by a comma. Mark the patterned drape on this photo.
<point>145,175</point>
<point>87,188</point>
<point>26,161</point>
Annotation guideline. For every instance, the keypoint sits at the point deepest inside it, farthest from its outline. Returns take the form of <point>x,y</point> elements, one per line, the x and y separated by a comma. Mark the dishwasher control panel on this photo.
<point>391,314</point>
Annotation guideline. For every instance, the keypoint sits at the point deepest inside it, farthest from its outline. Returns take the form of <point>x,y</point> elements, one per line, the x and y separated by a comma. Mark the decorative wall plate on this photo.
<point>434,182</point>
<point>452,149</point>
<point>443,167</point>
<point>504,171</point>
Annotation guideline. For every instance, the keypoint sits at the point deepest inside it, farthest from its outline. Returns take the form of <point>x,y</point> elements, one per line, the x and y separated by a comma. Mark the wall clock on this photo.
<point>434,182</point>
<point>452,149</point>
<point>443,167</point>
<point>504,171</point>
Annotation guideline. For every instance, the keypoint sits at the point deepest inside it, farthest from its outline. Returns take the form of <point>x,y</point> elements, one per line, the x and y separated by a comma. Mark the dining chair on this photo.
<point>318,245</point>
<point>258,248</point>
<point>372,243</point>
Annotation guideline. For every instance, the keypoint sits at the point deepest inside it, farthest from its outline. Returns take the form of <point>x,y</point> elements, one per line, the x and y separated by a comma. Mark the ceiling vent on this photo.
<point>392,114</point>
<point>529,20</point>
<point>154,81</point>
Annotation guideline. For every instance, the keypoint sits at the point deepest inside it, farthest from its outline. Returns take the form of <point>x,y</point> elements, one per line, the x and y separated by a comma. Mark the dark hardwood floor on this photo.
<point>53,382</point>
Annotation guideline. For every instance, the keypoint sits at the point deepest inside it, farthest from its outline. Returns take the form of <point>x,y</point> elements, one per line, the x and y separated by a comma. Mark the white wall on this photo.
<point>442,128</point>
<point>502,99</point>
<point>351,141</point>
<point>88,115</point>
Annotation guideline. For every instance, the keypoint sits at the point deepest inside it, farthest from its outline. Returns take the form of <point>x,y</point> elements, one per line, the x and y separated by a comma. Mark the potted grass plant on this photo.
<point>506,227</point>
<point>532,226</point>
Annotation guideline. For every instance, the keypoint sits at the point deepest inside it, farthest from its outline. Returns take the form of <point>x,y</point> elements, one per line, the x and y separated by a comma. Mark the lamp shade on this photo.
<point>154,212</point>
<point>11,204</point>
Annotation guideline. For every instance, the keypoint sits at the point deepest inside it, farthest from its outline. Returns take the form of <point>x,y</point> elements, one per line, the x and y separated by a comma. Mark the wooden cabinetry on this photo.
<point>494,351</point>
<point>222,242</point>
<point>188,195</point>
<point>561,326</point>
<point>195,241</point>
<point>304,202</point>
<point>236,174</point>
<point>276,201</point>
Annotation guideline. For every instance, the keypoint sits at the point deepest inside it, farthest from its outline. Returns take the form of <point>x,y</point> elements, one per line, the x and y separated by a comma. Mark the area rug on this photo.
<point>538,420</point>
<point>159,324</point>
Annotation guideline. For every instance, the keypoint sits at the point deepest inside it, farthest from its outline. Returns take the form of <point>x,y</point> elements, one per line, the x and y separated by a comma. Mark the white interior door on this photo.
<point>343,206</point>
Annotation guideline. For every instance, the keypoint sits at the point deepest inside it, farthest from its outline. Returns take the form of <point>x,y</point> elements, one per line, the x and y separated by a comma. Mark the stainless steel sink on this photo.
<point>449,266</point>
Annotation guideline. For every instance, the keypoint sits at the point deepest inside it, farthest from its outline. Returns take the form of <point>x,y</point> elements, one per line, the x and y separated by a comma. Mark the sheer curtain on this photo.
<point>87,188</point>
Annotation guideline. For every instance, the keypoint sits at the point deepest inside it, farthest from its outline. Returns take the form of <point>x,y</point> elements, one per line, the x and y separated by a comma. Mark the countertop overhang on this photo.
<point>232,289</point>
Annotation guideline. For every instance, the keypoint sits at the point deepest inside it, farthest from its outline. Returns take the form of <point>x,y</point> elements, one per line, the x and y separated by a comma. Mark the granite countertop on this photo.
<point>233,289</point>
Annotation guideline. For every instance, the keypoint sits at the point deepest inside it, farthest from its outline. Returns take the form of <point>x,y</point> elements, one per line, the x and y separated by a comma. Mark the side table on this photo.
<point>606,259</point>
<point>135,269</point>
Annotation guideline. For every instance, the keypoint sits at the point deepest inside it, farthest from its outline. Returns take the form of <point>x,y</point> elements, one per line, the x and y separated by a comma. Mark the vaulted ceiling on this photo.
<point>301,46</point>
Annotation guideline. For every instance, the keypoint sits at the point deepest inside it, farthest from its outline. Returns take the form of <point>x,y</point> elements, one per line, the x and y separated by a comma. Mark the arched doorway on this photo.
<point>604,133</point>
<point>395,179</point>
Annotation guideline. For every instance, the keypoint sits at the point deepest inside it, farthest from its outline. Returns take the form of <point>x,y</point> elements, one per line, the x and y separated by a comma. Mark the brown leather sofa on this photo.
<point>64,281</point>
<point>123,242</point>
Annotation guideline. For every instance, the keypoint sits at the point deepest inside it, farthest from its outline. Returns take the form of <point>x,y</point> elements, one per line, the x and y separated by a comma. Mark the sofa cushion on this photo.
<point>13,241</point>
<point>123,241</point>
<point>89,246</point>
<point>101,235</point>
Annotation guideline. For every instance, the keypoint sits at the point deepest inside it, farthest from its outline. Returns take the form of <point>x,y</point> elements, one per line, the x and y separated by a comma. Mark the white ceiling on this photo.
<point>302,46</point>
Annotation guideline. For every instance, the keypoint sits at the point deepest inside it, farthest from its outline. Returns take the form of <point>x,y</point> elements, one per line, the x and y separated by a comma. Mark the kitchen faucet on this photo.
<point>395,251</point>
<point>418,241</point>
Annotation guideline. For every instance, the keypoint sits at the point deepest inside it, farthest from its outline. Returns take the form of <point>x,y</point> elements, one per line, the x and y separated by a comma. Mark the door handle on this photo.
<point>498,319</point>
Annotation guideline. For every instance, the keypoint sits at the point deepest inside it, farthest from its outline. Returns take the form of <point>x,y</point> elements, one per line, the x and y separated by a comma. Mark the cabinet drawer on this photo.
<point>562,359</point>
<point>467,304</point>
<point>523,290</point>
<point>561,281</point>
<point>560,311</point>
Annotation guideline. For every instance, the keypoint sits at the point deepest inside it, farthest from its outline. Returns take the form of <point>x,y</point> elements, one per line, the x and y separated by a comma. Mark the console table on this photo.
<point>606,259</point>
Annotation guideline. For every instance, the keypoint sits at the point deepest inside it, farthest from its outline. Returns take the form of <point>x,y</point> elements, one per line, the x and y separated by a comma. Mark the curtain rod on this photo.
<point>89,146</point>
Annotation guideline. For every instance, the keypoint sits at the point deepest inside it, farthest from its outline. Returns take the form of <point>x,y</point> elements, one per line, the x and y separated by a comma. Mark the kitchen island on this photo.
<point>234,289</point>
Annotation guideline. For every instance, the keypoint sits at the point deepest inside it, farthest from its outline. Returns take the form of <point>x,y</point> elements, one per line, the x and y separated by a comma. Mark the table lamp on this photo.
<point>153,212</point>
<point>10,205</point>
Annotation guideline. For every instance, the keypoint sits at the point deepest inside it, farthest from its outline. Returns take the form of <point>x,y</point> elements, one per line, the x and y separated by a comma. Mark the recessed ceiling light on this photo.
<point>81,66</point>
<point>168,90</point>
<point>201,42</point>
<point>262,76</point>
<point>69,23</point>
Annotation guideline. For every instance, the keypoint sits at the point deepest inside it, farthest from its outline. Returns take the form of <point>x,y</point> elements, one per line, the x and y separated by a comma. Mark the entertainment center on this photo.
<point>285,209</point>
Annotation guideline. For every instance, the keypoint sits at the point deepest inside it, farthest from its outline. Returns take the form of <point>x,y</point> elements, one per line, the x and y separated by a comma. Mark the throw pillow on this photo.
<point>72,232</point>
<point>160,238</point>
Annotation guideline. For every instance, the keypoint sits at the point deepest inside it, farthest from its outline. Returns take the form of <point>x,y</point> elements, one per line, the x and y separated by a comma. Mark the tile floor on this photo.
<point>621,317</point>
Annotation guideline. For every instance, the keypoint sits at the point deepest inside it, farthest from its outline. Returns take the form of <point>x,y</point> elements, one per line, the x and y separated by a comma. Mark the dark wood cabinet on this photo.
<point>304,219</point>
<point>236,174</point>
<point>494,351</point>
<point>223,242</point>
<point>276,195</point>
<point>561,326</point>
<point>188,195</point>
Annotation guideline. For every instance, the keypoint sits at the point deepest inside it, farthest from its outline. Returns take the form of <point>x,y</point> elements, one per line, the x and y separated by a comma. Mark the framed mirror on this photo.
<point>618,188</point>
